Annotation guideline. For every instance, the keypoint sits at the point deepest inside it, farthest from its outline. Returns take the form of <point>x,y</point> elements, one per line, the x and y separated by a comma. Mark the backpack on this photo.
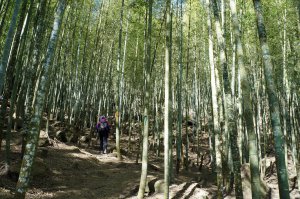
<point>103,127</point>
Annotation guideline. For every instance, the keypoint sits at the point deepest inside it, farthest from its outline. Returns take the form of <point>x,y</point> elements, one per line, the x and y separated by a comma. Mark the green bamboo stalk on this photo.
<point>33,135</point>
<point>282,174</point>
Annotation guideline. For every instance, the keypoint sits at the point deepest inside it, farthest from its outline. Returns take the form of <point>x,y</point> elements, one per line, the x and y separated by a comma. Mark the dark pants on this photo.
<point>103,143</point>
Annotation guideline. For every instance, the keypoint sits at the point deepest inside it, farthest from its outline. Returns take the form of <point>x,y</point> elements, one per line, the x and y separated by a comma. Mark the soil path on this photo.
<point>70,172</point>
<point>64,171</point>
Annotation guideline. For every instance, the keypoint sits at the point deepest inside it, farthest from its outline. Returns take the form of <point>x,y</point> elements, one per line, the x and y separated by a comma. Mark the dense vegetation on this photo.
<point>230,69</point>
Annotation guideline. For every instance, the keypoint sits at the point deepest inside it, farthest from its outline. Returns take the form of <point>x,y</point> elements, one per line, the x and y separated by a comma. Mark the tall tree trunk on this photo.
<point>273,103</point>
<point>118,111</point>
<point>6,52</point>
<point>171,97</point>
<point>11,69</point>
<point>143,180</point>
<point>179,92</point>
<point>216,137</point>
<point>167,131</point>
<point>122,81</point>
<point>285,88</point>
<point>36,56</point>
<point>186,159</point>
<point>246,90</point>
<point>229,106</point>
<point>33,135</point>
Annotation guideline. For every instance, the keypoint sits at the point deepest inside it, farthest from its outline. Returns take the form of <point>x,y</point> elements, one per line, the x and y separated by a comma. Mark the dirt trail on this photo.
<point>64,171</point>
<point>79,173</point>
<point>75,173</point>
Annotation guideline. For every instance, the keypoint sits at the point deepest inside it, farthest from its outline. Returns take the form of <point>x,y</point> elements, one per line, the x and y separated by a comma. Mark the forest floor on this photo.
<point>65,170</point>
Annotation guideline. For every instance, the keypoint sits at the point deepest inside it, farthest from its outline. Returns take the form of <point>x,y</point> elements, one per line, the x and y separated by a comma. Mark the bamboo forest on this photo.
<point>154,99</point>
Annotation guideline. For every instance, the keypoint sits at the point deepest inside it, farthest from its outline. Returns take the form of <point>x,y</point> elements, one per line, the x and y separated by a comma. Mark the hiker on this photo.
<point>103,128</point>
